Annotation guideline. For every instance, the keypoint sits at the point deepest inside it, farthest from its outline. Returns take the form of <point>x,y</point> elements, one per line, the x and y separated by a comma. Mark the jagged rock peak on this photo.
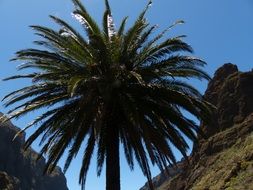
<point>217,81</point>
<point>225,70</point>
<point>231,92</point>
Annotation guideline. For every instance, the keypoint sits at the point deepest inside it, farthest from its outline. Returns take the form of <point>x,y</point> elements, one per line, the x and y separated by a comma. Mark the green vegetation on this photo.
<point>109,87</point>
<point>232,169</point>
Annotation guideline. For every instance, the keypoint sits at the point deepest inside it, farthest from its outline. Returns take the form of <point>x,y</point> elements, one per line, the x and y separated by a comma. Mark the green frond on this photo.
<point>135,31</point>
<point>20,76</point>
<point>82,16</point>
<point>78,37</point>
<point>108,23</point>
<point>86,160</point>
<point>101,152</point>
<point>84,120</point>
<point>122,27</point>
<point>165,48</point>
<point>161,35</point>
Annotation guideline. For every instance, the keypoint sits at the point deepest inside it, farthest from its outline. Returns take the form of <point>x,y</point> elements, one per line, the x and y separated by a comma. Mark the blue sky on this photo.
<point>219,31</point>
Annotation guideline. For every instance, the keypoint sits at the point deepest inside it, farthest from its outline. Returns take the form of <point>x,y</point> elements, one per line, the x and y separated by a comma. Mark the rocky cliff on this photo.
<point>18,168</point>
<point>225,159</point>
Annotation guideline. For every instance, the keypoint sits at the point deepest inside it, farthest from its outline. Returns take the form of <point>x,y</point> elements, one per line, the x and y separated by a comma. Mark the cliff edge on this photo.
<point>225,159</point>
<point>19,169</point>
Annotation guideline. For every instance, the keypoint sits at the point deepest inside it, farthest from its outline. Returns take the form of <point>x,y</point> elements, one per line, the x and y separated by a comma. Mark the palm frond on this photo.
<point>124,84</point>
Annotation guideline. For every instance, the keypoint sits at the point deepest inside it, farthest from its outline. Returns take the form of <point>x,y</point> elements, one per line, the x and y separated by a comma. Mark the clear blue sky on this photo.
<point>219,31</point>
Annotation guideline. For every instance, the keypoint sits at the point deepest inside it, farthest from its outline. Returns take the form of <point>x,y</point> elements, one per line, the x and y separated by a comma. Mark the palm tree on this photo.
<point>106,88</point>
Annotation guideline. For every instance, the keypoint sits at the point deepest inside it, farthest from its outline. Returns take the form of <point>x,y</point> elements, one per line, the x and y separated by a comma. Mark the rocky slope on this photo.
<point>225,160</point>
<point>19,170</point>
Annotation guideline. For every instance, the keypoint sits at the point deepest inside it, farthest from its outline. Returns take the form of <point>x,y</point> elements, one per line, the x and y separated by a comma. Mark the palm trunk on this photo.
<point>112,160</point>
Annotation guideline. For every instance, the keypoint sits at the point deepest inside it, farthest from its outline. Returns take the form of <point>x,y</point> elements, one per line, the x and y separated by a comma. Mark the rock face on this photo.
<point>19,169</point>
<point>225,159</point>
<point>161,179</point>
<point>231,91</point>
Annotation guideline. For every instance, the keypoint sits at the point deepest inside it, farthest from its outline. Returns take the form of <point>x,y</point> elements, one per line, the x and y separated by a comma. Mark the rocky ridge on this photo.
<point>223,161</point>
<point>19,169</point>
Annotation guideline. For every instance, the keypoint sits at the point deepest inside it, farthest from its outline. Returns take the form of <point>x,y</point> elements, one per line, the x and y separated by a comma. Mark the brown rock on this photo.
<point>231,92</point>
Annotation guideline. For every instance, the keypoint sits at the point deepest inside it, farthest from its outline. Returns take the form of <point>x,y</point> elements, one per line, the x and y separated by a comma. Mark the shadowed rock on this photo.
<point>19,169</point>
<point>225,159</point>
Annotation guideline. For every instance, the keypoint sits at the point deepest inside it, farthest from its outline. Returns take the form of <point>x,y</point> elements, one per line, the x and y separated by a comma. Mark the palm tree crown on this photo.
<point>110,87</point>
